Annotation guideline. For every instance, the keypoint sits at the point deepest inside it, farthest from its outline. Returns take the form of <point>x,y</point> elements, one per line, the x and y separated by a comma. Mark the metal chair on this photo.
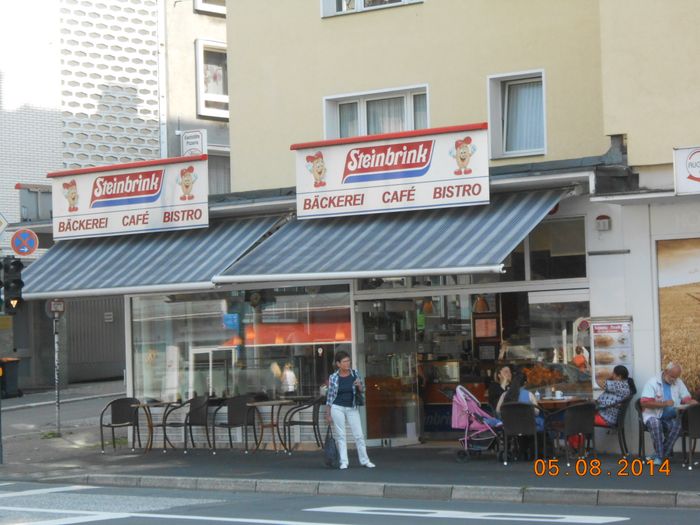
<point>289,421</point>
<point>691,432</point>
<point>619,426</point>
<point>578,420</point>
<point>124,413</point>
<point>519,420</point>
<point>197,416</point>
<point>238,415</point>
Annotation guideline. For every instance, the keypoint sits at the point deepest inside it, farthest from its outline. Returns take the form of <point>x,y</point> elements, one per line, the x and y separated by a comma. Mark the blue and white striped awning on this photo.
<point>153,262</point>
<point>472,239</point>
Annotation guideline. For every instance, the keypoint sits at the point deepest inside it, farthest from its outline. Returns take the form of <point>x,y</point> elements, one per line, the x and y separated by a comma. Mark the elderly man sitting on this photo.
<point>659,398</point>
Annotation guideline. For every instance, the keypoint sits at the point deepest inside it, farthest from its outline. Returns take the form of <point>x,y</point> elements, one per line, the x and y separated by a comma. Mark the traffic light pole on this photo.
<point>57,374</point>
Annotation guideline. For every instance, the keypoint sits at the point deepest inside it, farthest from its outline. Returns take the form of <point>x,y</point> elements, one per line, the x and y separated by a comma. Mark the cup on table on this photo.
<point>558,394</point>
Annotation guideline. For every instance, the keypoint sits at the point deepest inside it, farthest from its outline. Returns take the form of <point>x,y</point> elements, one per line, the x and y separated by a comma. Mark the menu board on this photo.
<point>611,345</point>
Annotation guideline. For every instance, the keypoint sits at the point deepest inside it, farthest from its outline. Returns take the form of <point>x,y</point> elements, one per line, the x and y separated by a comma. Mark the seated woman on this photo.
<point>620,386</point>
<point>496,388</point>
<point>517,394</point>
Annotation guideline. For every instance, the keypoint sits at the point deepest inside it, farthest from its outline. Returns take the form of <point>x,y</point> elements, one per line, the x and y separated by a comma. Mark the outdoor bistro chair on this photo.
<point>691,432</point>
<point>197,416</point>
<point>619,426</point>
<point>124,413</point>
<point>578,420</point>
<point>238,415</point>
<point>519,420</point>
<point>642,428</point>
<point>290,421</point>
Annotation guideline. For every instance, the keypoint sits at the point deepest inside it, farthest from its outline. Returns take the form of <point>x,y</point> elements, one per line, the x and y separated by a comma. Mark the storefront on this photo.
<point>425,296</point>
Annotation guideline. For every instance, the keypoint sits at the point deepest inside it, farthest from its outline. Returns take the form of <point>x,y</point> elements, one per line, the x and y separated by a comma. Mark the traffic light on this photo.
<point>12,286</point>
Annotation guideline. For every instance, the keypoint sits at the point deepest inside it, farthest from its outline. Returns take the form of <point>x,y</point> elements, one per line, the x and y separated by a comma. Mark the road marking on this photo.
<point>35,492</point>
<point>87,516</point>
<point>8,483</point>
<point>450,514</point>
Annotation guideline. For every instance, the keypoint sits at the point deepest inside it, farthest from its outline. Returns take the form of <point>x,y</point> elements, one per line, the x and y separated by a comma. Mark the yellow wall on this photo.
<point>284,58</point>
<point>651,76</point>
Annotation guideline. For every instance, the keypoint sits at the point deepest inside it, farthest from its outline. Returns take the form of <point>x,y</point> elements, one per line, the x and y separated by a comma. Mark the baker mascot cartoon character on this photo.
<point>462,153</point>
<point>186,182</point>
<point>317,168</point>
<point>70,192</point>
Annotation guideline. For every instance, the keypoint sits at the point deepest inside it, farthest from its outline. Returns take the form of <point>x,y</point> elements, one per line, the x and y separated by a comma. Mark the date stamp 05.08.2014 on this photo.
<point>581,467</point>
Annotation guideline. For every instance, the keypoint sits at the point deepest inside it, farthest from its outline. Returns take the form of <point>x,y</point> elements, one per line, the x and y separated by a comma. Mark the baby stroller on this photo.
<point>481,430</point>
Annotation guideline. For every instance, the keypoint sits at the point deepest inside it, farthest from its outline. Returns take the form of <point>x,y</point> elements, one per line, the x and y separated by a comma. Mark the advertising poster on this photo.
<point>678,263</point>
<point>611,344</point>
<point>440,167</point>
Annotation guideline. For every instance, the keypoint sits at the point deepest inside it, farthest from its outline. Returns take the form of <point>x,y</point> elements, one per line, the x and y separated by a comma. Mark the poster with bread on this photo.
<point>611,345</point>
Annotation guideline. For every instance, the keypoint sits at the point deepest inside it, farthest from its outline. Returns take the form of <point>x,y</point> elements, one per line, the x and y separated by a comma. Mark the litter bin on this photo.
<point>10,377</point>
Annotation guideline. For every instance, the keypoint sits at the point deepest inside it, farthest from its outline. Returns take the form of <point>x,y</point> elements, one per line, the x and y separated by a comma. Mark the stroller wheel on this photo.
<point>462,456</point>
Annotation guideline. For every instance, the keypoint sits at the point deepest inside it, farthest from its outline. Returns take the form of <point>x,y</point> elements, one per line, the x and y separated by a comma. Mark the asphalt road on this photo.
<point>51,504</point>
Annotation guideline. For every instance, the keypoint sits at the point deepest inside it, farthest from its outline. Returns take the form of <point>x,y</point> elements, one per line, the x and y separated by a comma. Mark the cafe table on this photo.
<point>551,404</point>
<point>146,407</point>
<point>273,424</point>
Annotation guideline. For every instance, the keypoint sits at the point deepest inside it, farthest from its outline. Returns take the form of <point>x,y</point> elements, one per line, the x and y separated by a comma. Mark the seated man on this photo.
<point>659,397</point>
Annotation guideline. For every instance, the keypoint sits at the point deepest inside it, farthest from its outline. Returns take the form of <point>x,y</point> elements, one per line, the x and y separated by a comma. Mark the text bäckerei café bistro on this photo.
<point>398,253</point>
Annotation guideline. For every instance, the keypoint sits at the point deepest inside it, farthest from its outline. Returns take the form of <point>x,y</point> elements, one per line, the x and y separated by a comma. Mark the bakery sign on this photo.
<point>430,168</point>
<point>140,197</point>
<point>686,170</point>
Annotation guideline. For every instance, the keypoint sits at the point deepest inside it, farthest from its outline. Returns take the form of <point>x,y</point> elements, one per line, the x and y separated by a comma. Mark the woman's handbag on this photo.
<point>359,394</point>
<point>330,450</point>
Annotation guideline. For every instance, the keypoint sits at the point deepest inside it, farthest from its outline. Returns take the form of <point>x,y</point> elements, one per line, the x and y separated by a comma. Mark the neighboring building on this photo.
<point>561,111</point>
<point>102,82</point>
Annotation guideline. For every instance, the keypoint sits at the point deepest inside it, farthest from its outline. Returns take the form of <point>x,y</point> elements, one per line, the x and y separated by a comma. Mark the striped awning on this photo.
<point>472,239</point>
<point>153,262</point>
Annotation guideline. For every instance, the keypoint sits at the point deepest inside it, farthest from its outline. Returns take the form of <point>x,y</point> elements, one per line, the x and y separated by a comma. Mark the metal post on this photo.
<point>0,426</point>
<point>57,374</point>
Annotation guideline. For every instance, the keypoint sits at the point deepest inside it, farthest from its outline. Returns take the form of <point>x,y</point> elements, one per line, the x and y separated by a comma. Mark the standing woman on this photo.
<point>343,386</point>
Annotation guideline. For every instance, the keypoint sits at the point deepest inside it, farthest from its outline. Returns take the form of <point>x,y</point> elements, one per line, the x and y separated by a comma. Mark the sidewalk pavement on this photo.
<point>420,472</point>
<point>68,394</point>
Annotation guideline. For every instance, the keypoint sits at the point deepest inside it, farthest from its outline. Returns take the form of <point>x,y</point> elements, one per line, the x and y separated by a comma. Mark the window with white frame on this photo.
<point>342,7</point>
<point>376,113</point>
<point>517,114</point>
<point>217,7</point>
<point>212,79</point>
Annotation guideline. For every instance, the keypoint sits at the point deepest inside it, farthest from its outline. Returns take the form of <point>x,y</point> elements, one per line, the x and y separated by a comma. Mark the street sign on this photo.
<point>55,308</point>
<point>24,242</point>
<point>3,223</point>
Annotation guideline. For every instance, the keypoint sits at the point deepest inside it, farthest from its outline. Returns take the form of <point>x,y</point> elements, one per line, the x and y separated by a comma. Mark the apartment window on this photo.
<point>376,113</point>
<point>342,7</point>
<point>35,202</point>
<point>212,79</point>
<point>517,115</point>
<point>217,7</point>
<point>219,173</point>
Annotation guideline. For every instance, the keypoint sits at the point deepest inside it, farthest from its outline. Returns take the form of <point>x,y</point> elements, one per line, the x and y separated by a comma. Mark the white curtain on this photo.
<point>215,75</point>
<point>385,115</point>
<point>524,116</point>
<point>347,115</point>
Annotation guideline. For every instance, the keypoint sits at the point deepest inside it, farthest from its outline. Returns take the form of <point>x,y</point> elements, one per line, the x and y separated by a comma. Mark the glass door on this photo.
<point>387,354</point>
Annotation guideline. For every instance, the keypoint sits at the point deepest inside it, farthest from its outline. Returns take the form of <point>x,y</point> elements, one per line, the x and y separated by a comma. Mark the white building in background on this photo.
<point>98,82</point>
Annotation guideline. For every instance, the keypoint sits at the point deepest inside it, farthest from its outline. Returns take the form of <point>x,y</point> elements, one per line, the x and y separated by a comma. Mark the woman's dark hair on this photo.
<point>340,355</point>
<point>622,371</point>
<point>513,393</point>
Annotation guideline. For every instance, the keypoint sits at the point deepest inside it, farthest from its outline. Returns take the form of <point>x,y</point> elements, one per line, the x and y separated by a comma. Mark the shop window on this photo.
<point>342,7</point>
<point>212,79</point>
<point>376,113</point>
<point>558,249</point>
<point>517,115</point>
<point>230,343</point>
<point>216,7</point>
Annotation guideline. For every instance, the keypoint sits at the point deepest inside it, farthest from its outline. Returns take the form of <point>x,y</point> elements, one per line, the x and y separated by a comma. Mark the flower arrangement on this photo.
<point>538,375</point>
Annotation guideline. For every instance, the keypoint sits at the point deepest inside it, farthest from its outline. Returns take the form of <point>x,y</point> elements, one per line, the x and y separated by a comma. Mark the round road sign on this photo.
<point>24,242</point>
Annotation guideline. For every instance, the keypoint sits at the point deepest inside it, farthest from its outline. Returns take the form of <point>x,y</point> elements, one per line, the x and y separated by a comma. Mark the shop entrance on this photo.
<point>387,347</point>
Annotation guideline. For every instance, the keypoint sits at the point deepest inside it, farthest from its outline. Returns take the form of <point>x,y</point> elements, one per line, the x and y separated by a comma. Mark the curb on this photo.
<point>63,401</point>
<point>646,498</point>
